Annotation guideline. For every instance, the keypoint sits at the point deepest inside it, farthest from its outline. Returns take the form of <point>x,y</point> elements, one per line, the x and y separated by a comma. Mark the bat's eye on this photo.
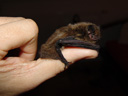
<point>91,29</point>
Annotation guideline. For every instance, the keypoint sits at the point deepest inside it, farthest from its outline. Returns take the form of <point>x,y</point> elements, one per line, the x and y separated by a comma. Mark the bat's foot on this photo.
<point>67,64</point>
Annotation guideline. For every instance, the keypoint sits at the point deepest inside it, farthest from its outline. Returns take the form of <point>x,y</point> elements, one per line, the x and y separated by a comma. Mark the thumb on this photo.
<point>49,67</point>
<point>46,68</point>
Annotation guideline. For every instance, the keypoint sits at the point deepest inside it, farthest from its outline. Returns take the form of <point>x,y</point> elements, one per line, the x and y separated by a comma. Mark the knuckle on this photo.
<point>32,26</point>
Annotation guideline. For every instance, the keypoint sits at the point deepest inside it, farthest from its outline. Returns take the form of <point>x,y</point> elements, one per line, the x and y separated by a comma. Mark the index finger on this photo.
<point>20,34</point>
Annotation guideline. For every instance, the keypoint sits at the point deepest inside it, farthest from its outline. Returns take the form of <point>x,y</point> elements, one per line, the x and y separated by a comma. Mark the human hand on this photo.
<point>20,74</point>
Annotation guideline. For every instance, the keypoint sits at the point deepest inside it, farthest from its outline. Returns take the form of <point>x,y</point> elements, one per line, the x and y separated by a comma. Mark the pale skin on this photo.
<point>23,73</point>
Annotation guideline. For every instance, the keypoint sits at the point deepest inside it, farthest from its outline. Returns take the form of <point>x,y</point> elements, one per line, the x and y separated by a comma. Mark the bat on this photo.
<point>82,34</point>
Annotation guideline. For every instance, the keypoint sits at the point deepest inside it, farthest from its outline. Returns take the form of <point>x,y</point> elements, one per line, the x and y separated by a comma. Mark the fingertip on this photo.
<point>75,54</point>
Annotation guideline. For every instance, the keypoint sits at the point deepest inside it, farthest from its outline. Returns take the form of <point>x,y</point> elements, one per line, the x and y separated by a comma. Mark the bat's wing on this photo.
<point>71,42</point>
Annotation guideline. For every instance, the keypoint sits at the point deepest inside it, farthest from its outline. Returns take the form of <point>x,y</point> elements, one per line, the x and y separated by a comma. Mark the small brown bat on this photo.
<point>83,34</point>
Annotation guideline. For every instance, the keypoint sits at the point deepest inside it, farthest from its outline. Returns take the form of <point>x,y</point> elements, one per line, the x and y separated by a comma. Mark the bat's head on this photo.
<point>81,34</point>
<point>87,32</point>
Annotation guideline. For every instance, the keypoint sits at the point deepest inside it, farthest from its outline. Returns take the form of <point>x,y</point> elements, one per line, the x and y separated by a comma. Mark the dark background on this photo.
<point>104,76</point>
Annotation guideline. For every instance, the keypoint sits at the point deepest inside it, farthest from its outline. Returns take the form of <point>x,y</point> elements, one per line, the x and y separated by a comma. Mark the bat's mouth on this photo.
<point>78,43</point>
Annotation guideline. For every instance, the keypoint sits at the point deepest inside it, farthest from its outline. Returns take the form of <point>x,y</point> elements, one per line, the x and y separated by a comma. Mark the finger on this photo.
<point>4,20</point>
<point>74,54</point>
<point>21,34</point>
